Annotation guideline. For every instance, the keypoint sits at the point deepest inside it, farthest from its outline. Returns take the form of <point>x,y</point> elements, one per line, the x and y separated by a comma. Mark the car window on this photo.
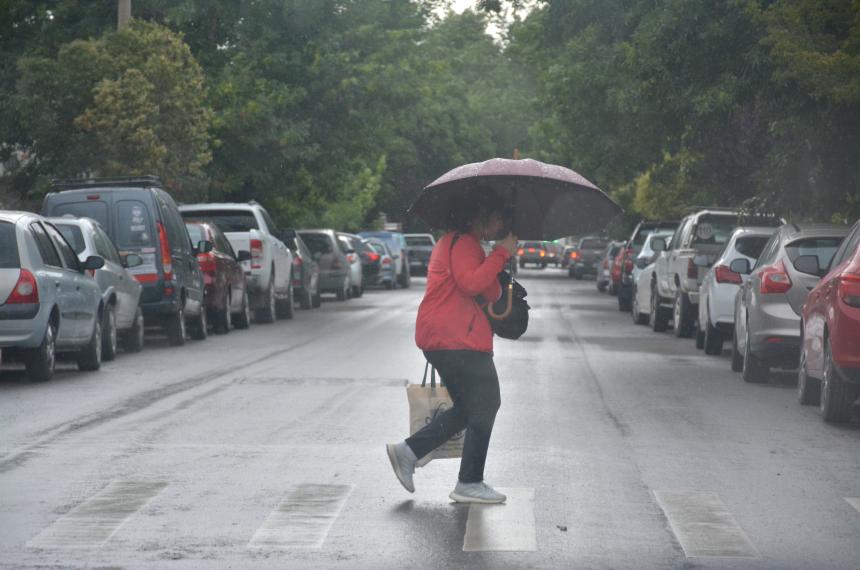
<point>676,237</point>
<point>133,225</point>
<point>713,230</point>
<point>105,246</point>
<point>196,233</point>
<point>822,247</point>
<point>592,244</point>
<point>179,238</point>
<point>46,247</point>
<point>533,244</point>
<point>74,236</point>
<point>66,251</point>
<point>227,220</point>
<point>848,247</point>
<point>273,229</point>
<point>222,244</point>
<point>95,209</point>
<point>768,254</point>
<point>419,241</point>
<point>317,243</point>
<point>751,246</point>
<point>343,244</point>
<point>8,247</point>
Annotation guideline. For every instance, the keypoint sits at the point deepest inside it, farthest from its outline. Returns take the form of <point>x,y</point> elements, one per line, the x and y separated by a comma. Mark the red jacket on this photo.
<point>449,317</point>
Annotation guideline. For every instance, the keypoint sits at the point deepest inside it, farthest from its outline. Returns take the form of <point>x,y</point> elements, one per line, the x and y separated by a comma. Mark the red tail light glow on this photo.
<point>373,257</point>
<point>849,287</point>
<point>725,275</point>
<point>542,253</point>
<point>298,261</point>
<point>207,262</point>
<point>574,254</point>
<point>166,259</point>
<point>520,251</point>
<point>146,277</point>
<point>386,261</point>
<point>628,265</point>
<point>774,279</point>
<point>256,254</point>
<point>26,290</point>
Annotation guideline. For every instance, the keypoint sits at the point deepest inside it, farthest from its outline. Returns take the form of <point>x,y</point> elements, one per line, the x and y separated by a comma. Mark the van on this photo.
<point>142,218</point>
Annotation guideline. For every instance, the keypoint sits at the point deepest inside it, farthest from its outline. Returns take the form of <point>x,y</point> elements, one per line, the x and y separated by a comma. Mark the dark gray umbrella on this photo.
<point>549,201</point>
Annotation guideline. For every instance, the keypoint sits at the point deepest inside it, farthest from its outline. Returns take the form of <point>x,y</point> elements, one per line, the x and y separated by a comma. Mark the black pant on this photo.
<point>472,382</point>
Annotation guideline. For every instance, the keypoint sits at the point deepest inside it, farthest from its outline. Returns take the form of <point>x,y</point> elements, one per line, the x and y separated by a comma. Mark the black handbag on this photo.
<point>509,316</point>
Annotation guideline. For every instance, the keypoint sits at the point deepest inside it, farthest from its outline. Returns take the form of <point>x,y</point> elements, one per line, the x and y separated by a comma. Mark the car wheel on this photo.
<point>639,317</point>
<point>133,339</point>
<point>268,314</point>
<point>737,357</point>
<point>342,292</point>
<point>700,338</point>
<point>317,299</point>
<point>624,304</point>
<point>90,356</point>
<point>808,389</point>
<point>713,340</point>
<point>243,321</point>
<point>41,361</point>
<point>176,327</point>
<point>659,318</point>
<point>224,322</point>
<point>306,301</point>
<point>356,291</point>
<point>754,370</point>
<point>682,315</point>
<point>836,396</point>
<point>287,307</point>
<point>200,328</point>
<point>109,334</point>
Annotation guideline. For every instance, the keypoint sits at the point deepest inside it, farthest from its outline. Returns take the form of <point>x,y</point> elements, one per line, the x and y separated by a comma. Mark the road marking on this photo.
<point>509,527</point>
<point>704,526</point>
<point>94,522</point>
<point>854,502</point>
<point>303,519</point>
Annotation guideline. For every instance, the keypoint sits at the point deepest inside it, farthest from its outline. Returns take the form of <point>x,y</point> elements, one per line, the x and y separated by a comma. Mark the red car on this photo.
<point>615,271</point>
<point>829,370</point>
<point>224,294</point>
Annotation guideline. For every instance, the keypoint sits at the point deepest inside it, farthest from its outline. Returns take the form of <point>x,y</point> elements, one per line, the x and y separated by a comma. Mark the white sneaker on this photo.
<point>476,493</point>
<point>402,463</point>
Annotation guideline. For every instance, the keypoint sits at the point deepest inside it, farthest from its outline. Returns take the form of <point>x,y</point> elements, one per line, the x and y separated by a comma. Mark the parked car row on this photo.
<point>785,295</point>
<point>108,259</point>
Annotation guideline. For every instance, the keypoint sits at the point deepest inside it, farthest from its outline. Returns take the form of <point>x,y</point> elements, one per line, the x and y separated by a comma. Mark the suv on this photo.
<point>142,218</point>
<point>330,253</point>
<point>589,253</point>
<point>396,242</point>
<point>532,252</point>
<point>634,246</point>
<point>249,227</point>
<point>419,246</point>
<point>677,276</point>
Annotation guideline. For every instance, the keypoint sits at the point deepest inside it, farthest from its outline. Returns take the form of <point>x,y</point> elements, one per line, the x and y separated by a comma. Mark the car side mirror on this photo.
<point>658,244</point>
<point>701,261</point>
<point>740,266</point>
<point>807,264</point>
<point>204,246</point>
<point>243,255</point>
<point>92,263</point>
<point>132,260</point>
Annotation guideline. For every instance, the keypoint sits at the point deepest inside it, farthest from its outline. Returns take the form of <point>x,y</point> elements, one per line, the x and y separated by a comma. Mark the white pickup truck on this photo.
<point>249,227</point>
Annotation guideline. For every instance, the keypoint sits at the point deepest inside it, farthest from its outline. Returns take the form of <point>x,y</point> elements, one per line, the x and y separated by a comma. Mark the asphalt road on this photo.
<point>618,447</point>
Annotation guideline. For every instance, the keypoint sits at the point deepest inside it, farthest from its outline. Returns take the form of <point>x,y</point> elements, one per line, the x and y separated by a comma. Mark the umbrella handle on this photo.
<point>509,307</point>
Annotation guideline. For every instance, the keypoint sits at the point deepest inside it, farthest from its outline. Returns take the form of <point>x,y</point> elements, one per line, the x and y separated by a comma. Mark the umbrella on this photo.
<point>549,201</point>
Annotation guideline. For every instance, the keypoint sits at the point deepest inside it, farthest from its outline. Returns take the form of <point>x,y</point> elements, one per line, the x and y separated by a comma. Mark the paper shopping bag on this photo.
<point>425,403</point>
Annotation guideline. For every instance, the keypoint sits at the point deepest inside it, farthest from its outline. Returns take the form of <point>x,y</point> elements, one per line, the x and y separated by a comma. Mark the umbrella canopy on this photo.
<point>549,201</point>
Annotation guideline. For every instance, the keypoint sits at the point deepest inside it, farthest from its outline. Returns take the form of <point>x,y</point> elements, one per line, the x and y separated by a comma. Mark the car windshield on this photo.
<point>74,236</point>
<point>533,244</point>
<point>227,220</point>
<point>419,241</point>
<point>93,209</point>
<point>822,247</point>
<point>388,238</point>
<point>751,246</point>
<point>133,227</point>
<point>714,229</point>
<point>317,243</point>
<point>8,247</point>
<point>593,244</point>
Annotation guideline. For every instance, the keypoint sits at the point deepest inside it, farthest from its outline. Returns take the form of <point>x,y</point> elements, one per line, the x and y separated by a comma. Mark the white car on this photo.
<point>352,247</point>
<point>248,227</point>
<point>645,260</point>
<point>717,293</point>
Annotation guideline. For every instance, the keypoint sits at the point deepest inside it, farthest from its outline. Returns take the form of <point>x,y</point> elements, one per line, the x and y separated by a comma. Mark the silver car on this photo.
<point>49,302</point>
<point>351,246</point>
<point>123,316</point>
<point>768,304</point>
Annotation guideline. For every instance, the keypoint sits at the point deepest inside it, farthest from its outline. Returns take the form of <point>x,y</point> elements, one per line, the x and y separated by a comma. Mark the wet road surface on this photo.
<point>618,448</point>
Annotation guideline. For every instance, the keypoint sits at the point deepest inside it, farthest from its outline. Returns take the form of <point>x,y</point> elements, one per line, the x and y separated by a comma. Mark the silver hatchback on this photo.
<point>49,302</point>
<point>768,304</point>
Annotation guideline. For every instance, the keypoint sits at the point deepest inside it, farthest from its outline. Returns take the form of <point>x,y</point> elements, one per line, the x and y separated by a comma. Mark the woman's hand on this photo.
<point>509,243</point>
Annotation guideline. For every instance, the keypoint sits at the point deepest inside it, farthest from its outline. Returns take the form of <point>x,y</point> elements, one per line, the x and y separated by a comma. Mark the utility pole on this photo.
<point>123,14</point>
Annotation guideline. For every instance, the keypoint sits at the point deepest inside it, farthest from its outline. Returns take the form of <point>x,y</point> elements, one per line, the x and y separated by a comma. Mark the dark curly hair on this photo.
<point>477,204</point>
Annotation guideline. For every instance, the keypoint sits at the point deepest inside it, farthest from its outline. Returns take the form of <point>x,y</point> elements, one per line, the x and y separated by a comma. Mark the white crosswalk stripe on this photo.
<point>509,527</point>
<point>303,519</point>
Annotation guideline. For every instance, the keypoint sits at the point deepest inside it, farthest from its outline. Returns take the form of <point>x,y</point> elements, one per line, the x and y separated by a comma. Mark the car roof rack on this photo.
<point>109,182</point>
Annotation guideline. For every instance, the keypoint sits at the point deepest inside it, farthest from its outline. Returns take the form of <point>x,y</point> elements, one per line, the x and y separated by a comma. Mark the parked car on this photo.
<point>645,258</point>
<point>269,272</point>
<point>769,304</point>
<point>634,245</point>
<point>306,272</point>
<point>568,257</point>
<point>553,253</point>
<point>225,288</point>
<point>335,268</point>
<point>716,319</point>
<point>587,260</point>
<point>142,218</point>
<point>829,368</point>
<point>419,247</point>
<point>122,317</point>
<point>704,232</point>
<point>615,270</point>
<point>381,268</point>
<point>352,245</point>
<point>50,304</point>
<point>604,274</point>
<point>396,243</point>
<point>533,252</point>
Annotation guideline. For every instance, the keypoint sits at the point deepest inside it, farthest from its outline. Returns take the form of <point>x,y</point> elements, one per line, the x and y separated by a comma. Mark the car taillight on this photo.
<point>692,269</point>
<point>531,250</point>
<point>849,288</point>
<point>774,279</point>
<point>542,253</point>
<point>520,251</point>
<point>386,261</point>
<point>25,291</point>
<point>350,257</point>
<point>574,255</point>
<point>725,275</point>
<point>256,254</point>
<point>207,262</point>
<point>146,277</point>
<point>373,257</point>
<point>297,261</point>
<point>166,259</point>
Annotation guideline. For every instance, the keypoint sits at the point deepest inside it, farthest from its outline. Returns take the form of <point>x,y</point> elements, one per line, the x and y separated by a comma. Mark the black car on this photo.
<point>142,218</point>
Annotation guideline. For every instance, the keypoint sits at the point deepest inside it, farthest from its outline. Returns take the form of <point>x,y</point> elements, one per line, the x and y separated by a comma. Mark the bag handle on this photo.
<point>509,306</point>
<point>432,376</point>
